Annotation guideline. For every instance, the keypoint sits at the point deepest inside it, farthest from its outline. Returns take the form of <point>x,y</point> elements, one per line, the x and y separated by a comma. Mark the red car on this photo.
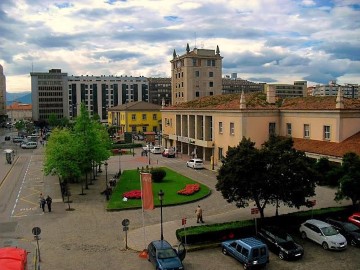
<point>355,219</point>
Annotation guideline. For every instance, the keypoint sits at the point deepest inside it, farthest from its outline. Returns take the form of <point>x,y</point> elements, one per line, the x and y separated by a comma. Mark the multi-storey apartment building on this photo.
<point>298,89</point>
<point>209,125</point>
<point>195,74</point>
<point>159,90</point>
<point>2,95</point>
<point>49,93</point>
<point>237,85</point>
<point>57,93</point>
<point>99,93</point>
<point>331,89</point>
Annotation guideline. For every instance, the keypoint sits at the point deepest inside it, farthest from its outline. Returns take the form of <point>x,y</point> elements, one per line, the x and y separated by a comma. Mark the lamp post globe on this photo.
<point>161,197</point>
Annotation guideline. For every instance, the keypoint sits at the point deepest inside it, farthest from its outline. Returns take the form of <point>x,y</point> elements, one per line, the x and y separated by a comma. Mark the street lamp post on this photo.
<point>161,197</point>
<point>106,181</point>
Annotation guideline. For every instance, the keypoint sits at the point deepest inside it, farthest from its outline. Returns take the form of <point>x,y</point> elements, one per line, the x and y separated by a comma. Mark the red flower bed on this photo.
<point>189,189</point>
<point>133,194</point>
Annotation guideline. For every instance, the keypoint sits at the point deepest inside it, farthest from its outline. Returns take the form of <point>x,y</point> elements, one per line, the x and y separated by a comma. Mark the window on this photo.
<point>272,128</point>
<point>211,74</point>
<point>211,93</point>
<point>288,129</point>
<point>133,117</point>
<point>220,127</point>
<point>220,155</point>
<point>211,84</point>
<point>144,116</point>
<point>327,132</point>
<point>154,116</point>
<point>208,63</point>
<point>194,62</point>
<point>197,94</point>
<point>232,129</point>
<point>197,73</point>
<point>306,131</point>
<point>144,129</point>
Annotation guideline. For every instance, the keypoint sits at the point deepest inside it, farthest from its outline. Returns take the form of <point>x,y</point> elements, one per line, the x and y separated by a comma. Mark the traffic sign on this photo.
<point>254,211</point>
<point>183,221</point>
<point>125,222</point>
<point>36,231</point>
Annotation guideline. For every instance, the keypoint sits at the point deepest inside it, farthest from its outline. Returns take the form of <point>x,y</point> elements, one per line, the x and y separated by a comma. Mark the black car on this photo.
<point>350,231</point>
<point>7,138</point>
<point>281,243</point>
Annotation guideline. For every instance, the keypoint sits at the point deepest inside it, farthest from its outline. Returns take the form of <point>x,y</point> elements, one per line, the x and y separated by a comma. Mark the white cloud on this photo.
<point>278,40</point>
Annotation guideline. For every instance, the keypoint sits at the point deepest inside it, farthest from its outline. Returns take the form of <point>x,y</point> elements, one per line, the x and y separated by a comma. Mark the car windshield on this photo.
<point>282,237</point>
<point>351,227</point>
<point>166,253</point>
<point>328,231</point>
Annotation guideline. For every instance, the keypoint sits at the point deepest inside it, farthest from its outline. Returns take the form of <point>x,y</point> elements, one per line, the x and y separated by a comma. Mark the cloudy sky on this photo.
<point>261,40</point>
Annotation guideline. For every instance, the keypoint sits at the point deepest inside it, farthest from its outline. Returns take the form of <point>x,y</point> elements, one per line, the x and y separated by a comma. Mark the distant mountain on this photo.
<point>23,97</point>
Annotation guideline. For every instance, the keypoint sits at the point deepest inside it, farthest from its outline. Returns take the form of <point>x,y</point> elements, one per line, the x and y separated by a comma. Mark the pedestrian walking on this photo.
<point>199,212</point>
<point>48,202</point>
<point>42,204</point>
<point>41,197</point>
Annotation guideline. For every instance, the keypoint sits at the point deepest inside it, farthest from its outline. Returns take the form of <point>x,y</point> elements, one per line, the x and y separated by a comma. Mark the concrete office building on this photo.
<point>49,93</point>
<point>195,74</point>
<point>331,89</point>
<point>159,90</point>
<point>236,85</point>
<point>298,89</point>
<point>99,93</point>
<point>2,95</point>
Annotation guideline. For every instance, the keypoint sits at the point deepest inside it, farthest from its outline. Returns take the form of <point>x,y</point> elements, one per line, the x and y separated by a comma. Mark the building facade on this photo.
<point>195,74</point>
<point>331,89</point>
<point>208,126</point>
<point>235,85</point>
<point>19,111</point>
<point>2,95</point>
<point>298,89</point>
<point>135,117</point>
<point>159,90</point>
<point>49,93</point>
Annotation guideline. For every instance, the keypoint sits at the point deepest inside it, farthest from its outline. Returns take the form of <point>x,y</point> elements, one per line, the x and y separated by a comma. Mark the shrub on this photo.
<point>158,175</point>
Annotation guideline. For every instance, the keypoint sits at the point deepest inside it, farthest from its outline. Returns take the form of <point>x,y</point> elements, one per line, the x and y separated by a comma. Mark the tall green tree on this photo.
<point>274,174</point>
<point>349,183</point>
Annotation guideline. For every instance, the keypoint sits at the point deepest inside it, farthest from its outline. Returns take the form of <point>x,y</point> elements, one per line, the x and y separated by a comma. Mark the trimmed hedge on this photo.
<point>215,233</point>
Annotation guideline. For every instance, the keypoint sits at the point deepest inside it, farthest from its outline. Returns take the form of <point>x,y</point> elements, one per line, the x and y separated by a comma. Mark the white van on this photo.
<point>29,145</point>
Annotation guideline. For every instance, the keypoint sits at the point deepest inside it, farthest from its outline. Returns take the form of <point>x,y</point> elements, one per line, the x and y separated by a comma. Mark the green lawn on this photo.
<point>173,182</point>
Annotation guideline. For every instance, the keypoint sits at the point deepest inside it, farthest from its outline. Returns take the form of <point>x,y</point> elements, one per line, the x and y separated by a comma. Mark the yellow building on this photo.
<point>320,126</point>
<point>135,117</point>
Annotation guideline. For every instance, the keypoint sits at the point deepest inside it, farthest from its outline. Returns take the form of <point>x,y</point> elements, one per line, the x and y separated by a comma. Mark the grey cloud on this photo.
<point>342,50</point>
<point>261,79</point>
<point>116,55</point>
<point>294,60</point>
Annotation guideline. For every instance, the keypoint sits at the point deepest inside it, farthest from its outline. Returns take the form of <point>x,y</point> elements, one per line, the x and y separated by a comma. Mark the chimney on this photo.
<point>242,101</point>
<point>339,99</point>
<point>270,94</point>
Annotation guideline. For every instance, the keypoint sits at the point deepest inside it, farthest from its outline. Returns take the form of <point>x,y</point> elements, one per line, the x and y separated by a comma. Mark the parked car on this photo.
<point>249,251</point>
<point>29,145</point>
<point>156,150</point>
<point>168,152</point>
<point>323,233</point>
<point>347,229</point>
<point>195,163</point>
<point>355,219</point>
<point>148,147</point>
<point>18,139</point>
<point>163,256</point>
<point>281,243</point>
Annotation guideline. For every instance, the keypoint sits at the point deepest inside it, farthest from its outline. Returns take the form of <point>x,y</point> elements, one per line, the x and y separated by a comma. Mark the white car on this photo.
<point>29,145</point>
<point>323,234</point>
<point>156,150</point>
<point>195,163</point>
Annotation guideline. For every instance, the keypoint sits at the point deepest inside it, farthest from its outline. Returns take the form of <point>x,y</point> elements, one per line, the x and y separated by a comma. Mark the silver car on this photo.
<point>323,234</point>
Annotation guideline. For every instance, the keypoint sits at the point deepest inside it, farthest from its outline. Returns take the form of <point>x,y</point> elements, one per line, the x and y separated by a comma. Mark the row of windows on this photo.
<point>60,100</point>
<point>197,73</point>
<point>197,93</point>
<point>50,88</point>
<point>50,94</point>
<point>50,77</point>
<point>50,82</point>
<point>143,116</point>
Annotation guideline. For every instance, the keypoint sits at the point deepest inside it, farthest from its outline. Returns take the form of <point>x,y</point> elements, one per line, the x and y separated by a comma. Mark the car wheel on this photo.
<point>303,235</point>
<point>353,242</point>
<point>224,251</point>
<point>325,246</point>
<point>281,255</point>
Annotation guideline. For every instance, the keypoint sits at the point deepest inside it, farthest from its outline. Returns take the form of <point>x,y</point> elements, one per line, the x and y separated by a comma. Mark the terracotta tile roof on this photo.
<point>255,100</point>
<point>18,106</point>
<point>351,144</point>
<point>136,106</point>
<point>318,103</point>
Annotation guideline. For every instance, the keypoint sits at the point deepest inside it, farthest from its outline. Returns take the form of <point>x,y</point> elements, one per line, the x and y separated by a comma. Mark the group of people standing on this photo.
<point>44,202</point>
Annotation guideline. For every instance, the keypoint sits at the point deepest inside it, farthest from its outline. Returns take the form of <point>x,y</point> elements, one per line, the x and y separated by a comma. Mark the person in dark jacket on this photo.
<point>48,202</point>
